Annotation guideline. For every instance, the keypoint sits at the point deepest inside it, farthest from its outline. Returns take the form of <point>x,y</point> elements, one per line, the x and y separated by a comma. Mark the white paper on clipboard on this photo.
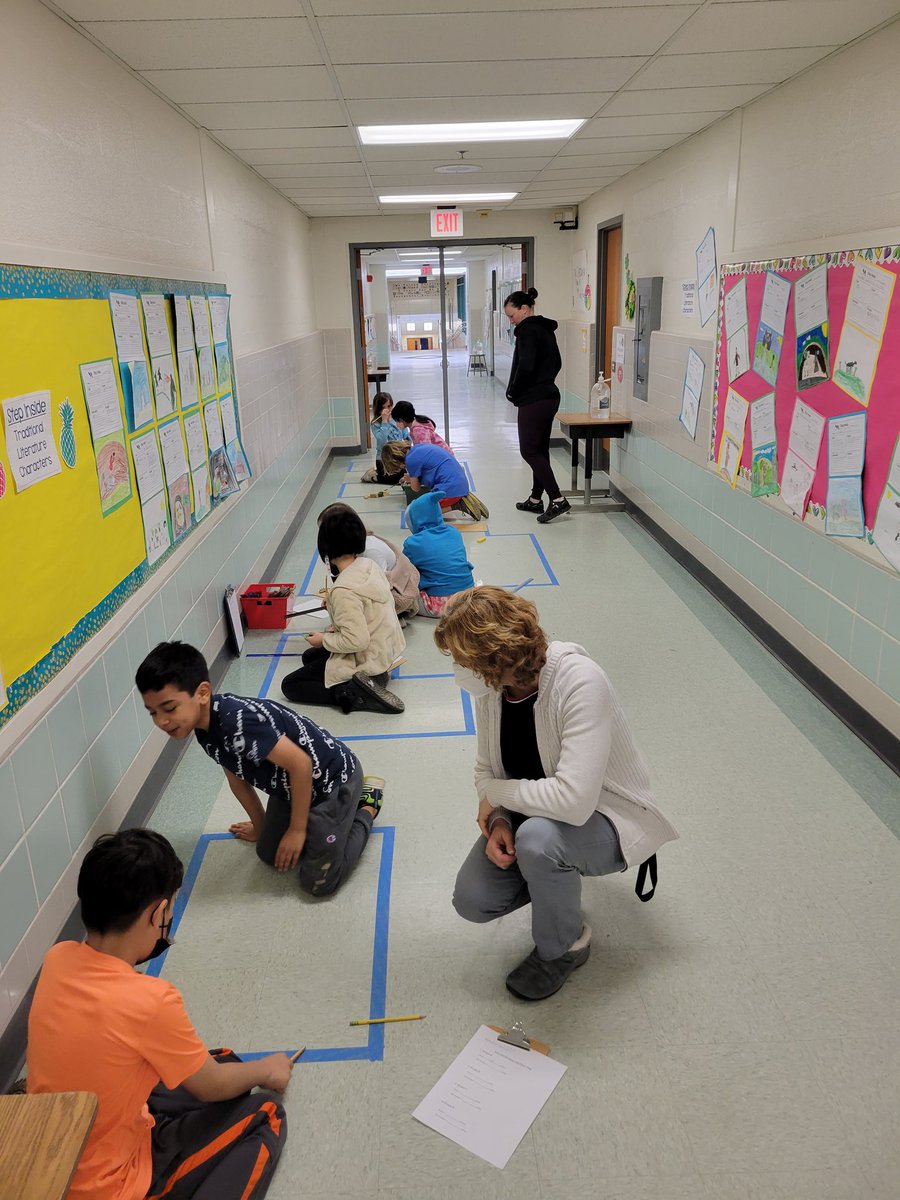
<point>234,618</point>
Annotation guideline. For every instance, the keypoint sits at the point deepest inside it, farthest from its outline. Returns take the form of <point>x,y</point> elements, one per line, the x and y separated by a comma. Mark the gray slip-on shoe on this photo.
<point>536,979</point>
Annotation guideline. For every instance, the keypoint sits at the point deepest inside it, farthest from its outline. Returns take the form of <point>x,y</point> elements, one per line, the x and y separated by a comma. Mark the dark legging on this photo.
<point>535,426</point>
<point>306,685</point>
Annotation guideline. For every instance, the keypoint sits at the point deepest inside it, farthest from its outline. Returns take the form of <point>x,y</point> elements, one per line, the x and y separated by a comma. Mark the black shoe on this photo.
<point>555,509</point>
<point>531,505</point>
<point>363,694</point>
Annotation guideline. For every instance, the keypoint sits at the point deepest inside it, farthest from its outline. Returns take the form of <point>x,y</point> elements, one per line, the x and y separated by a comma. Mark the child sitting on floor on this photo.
<point>320,806</point>
<point>401,574</point>
<point>438,551</point>
<point>349,665</point>
<point>384,429</point>
<point>420,429</point>
<point>432,468</point>
<point>174,1119</point>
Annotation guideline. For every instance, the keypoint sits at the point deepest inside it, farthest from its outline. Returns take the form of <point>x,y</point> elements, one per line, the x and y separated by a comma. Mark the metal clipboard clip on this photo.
<point>516,1036</point>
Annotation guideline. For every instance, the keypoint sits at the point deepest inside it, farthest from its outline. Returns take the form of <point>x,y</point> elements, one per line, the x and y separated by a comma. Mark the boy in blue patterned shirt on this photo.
<point>320,809</point>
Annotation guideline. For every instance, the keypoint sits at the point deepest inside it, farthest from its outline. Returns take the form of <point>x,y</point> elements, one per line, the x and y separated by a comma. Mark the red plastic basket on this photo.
<point>265,605</point>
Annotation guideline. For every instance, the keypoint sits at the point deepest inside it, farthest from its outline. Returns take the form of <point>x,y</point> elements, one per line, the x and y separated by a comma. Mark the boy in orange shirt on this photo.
<point>97,1025</point>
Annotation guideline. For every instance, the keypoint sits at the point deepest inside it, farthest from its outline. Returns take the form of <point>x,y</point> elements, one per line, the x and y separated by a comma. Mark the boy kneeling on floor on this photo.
<point>320,808</point>
<point>174,1119</point>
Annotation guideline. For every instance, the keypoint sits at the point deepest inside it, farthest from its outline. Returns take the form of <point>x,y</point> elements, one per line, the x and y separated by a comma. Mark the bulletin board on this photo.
<point>74,543</point>
<point>838,376</point>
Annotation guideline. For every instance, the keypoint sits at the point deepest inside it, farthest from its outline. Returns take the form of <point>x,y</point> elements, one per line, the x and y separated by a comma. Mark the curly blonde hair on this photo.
<point>393,456</point>
<point>494,633</point>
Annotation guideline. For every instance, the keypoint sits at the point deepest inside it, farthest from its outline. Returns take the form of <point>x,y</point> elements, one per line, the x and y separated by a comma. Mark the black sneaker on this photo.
<point>555,509</point>
<point>530,505</point>
<point>363,694</point>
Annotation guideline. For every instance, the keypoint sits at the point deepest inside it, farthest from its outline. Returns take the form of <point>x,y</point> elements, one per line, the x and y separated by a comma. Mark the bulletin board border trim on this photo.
<point>797,262</point>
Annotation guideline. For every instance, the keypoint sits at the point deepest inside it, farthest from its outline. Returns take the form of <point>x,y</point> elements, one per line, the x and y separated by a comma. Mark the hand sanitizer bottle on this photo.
<point>599,403</point>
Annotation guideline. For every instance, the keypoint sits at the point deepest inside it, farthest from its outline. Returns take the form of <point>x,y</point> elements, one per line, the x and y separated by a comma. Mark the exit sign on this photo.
<point>446,222</point>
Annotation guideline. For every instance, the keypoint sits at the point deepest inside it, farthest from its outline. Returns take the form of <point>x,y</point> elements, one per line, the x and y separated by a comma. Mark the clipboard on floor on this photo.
<point>234,619</point>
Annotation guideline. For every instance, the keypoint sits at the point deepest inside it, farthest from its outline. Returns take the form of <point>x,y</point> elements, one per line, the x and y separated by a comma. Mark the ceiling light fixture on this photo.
<point>469,131</point>
<point>438,198</point>
<point>424,255</point>
<point>458,168</point>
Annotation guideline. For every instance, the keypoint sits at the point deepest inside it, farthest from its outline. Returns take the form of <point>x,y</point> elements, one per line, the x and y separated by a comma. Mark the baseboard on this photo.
<point>877,737</point>
<point>14,1037</point>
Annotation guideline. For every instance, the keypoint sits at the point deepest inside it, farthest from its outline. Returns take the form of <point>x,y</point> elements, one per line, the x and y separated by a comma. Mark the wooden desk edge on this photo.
<point>84,1107</point>
<point>584,420</point>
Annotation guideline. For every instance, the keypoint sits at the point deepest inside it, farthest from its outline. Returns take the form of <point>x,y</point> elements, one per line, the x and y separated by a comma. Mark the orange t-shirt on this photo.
<point>97,1025</point>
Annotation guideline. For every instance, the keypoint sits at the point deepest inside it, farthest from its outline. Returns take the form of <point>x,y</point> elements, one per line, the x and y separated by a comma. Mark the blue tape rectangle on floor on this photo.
<point>373,1050</point>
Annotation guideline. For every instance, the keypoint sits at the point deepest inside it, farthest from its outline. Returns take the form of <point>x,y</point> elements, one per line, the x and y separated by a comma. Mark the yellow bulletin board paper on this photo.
<point>64,556</point>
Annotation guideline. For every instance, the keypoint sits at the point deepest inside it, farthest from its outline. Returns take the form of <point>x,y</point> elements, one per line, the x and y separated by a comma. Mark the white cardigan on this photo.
<point>589,757</point>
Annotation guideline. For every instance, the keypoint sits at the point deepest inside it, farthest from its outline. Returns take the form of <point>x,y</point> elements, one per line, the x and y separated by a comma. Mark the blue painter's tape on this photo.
<point>469,476</point>
<point>304,586</point>
<point>543,557</point>
<point>373,1051</point>
<point>273,666</point>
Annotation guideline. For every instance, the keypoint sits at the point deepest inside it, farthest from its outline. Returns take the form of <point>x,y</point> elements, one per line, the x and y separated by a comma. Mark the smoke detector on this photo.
<point>458,168</point>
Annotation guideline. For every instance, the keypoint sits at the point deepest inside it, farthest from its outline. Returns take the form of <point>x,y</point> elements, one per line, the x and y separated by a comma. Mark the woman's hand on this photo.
<point>501,846</point>
<point>485,808</point>
<point>315,640</point>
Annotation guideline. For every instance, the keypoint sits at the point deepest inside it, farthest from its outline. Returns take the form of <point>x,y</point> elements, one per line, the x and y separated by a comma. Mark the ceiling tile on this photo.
<point>541,77</point>
<point>166,45</point>
<point>738,66</point>
<point>475,108</point>
<point>237,84</point>
<point>478,152</point>
<point>298,156</point>
<point>330,171</point>
<point>587,176</point>
<point>486,159</point>
<point>769,24</point>
<point>357,8</point>
<point>179,10</point>
<point>334,137</point>
<point>682,123</point>
<point>264,114</point>
<point>497,37</point>
<point>590,161</point>
<point>653,143</point>
<point>682,100</point>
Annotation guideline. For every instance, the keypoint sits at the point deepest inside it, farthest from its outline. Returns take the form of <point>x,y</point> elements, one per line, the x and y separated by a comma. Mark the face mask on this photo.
<point>162,943</point>
<point>470,682</point>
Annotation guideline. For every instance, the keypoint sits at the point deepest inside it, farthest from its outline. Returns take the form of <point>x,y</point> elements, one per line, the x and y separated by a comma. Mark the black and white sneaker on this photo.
<point>555,509</point>
<point>364,694</point>
<point>531,505</point>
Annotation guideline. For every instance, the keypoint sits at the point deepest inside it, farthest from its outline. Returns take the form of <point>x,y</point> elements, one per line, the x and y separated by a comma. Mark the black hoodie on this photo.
<point>536,362</point>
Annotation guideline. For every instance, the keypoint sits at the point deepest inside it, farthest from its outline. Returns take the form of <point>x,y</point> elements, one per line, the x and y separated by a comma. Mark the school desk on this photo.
<point>41,1140</point>
<point>592,430</point>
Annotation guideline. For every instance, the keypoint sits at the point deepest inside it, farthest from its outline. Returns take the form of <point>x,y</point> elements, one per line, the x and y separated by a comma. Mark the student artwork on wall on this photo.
<point>707,276</point>
<point>839,314</point>
<point>77,413</point>
<point>693,390</point>
<point>736,331</point>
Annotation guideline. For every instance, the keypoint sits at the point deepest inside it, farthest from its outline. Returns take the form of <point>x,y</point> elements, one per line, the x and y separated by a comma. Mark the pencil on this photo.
<point>294,1057</point>
<point>389,1020</point>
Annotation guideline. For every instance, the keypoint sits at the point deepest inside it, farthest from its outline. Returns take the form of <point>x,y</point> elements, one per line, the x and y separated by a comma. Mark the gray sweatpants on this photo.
<point>336,835</point>
<point>551,858</point>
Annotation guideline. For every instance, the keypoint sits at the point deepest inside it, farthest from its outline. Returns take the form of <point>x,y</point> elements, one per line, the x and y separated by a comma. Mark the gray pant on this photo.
<point>551,857</point>
<point>336,835</point>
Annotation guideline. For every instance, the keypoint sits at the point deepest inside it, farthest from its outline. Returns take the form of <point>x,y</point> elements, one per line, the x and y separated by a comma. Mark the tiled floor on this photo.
<point>736,1039</point>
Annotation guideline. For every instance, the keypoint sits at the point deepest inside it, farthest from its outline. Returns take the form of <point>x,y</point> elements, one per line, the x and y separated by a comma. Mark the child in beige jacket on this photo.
<point>349,665</point>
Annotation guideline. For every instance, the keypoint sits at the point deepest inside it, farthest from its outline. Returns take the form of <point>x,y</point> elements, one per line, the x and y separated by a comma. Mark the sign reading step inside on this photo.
<point>446,222</point>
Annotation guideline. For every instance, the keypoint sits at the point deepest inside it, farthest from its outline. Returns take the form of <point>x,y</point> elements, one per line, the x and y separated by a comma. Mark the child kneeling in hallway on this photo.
<point>438,550</point>
<point>320,807</point>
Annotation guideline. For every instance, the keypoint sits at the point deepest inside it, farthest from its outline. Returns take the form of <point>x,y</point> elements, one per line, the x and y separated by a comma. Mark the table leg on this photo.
<point>574,462</point>
<point>588,468</point>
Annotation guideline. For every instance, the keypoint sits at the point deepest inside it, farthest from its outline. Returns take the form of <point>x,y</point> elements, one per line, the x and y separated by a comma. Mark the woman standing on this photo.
<point>532,389</point>
<point>563,791</point>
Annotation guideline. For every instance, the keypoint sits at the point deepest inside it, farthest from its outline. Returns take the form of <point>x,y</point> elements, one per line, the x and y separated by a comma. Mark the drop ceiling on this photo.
<point>284,83</point>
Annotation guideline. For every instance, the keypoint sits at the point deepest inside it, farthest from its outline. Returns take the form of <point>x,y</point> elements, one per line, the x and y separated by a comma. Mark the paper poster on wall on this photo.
<point>223,366</point>
<point>693,390</point>
<point>867,311</point>
<point>886,527</point>
<point>619,352</point>
<point>188,379</point>
<point>764,466</point>
<point>844,514</point>
<point>200,313</point>
<point>737,337</point>
<point>177,475</point>
<point>218,316</point>
<point>207,365</point>
<point>199,464</point>
<point>30,444</point>
<point>233,446</point>
<point>156,323</point>
<point>811,323</point>
<point>221,473</point>
<point>732,447</point>
<point>770,332</point>
<point>137,392</point>
<point>164,389</point>
<point>151,489</point>
<point>707,276</point>
<point>804,444</point>
<point>202,492</point>
<point>184,326</point>
<point>126,321</point>
<point>101,397</point>
<point>580,281</point>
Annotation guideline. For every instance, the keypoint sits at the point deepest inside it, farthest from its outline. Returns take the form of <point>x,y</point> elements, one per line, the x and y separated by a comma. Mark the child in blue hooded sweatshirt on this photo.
<point>438,552</point>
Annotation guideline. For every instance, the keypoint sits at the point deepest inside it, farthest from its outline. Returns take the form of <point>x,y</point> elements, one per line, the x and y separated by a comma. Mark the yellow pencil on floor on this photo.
<point>389,1020</point>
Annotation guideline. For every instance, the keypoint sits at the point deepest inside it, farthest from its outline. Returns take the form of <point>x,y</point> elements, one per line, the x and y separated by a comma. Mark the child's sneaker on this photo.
<point>555,509</point>
<point>372,793</point>
<point>533,504</point>
<point>363,694</point>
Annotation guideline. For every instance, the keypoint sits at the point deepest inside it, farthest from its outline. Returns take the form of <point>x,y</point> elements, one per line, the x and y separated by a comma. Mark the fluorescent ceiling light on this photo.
<point>425,257</point>
<point>400,273</point>
<point>469,131</point>
<point>452,198</point>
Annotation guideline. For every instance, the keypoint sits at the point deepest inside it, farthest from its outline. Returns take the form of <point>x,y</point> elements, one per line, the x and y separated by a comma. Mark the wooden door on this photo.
<point>612,292</point>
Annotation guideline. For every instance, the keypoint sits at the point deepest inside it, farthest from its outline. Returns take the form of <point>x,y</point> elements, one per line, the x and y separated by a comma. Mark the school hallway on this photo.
<point>734,1039</point>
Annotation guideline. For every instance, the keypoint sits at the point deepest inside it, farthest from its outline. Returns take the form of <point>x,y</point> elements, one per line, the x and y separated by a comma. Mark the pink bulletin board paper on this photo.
<point>826,398</point>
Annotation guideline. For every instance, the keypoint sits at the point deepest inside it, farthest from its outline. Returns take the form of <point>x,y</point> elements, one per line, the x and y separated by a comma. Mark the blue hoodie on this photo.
<point>436,549</point>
